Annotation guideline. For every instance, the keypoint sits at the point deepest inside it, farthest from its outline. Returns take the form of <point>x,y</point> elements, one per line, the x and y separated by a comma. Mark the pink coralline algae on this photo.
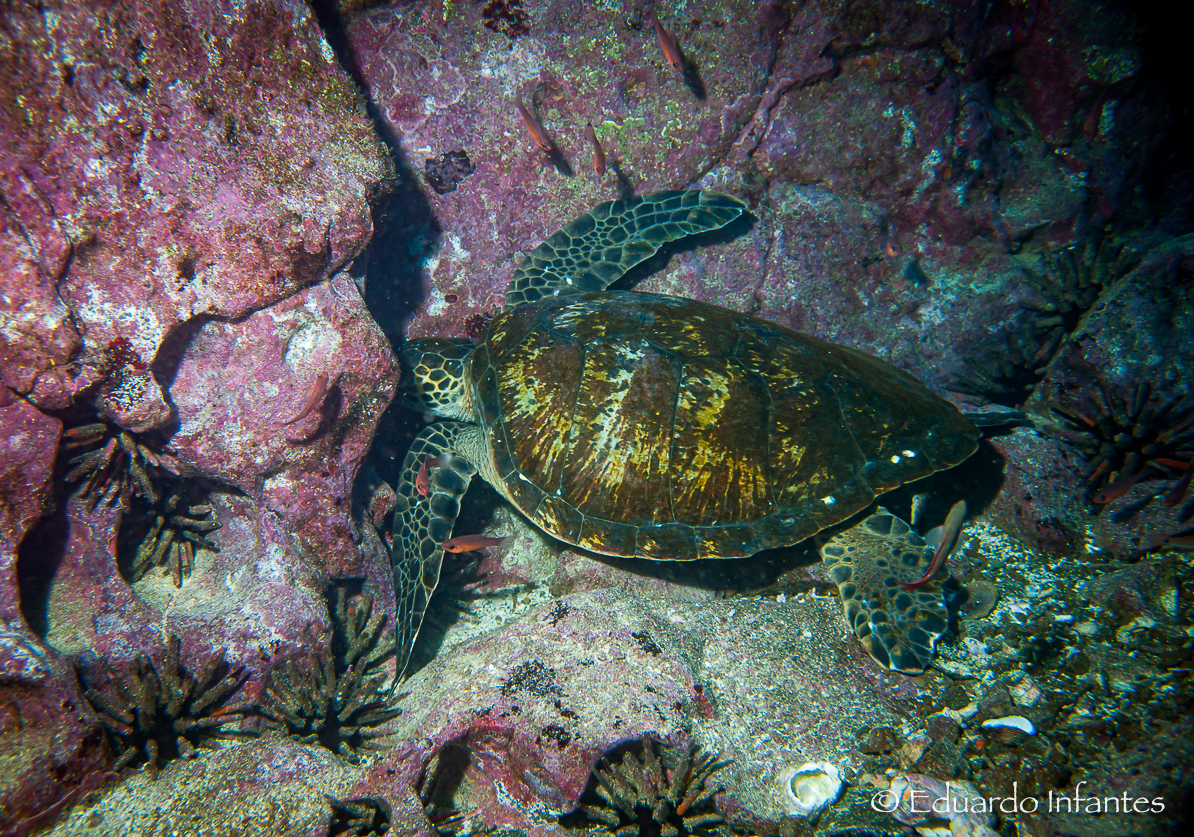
<point>155,170</point>
<point>245,380</point>
<point>173,173</point>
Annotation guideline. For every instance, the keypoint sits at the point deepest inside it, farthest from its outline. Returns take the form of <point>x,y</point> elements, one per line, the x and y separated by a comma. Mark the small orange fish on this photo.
<point>950,531</point>
<point>1120,487</point>
<point>467,543</point>
<point>1173,463</point>
<point>1179,541</point>
<point>422,479</point>
<point>537,133</point>
<point>1178,492</point>
<point>314,399</point>
<point>598,151</point>
<point>667,43</point>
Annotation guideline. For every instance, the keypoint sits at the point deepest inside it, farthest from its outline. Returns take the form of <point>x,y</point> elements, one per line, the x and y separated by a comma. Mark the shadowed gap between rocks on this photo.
<point>38,556</point>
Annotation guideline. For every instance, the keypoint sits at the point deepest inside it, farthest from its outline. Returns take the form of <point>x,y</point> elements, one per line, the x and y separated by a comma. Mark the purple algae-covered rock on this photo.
<point>1041,500</point>
<point>768,684</point>
<point>254,600</point>
<point>289,526</point>
<point>451,83</point>
<point>89,606</point>
<point>50,744</point>
<point>238,388</point>
<point>157,169</point>
<point>871,227</point>
<point>881,128</point>
<point>28,443</point>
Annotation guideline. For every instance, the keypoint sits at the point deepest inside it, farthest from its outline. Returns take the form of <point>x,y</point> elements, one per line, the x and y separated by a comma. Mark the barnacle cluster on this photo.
<point>1127,438</point>
<point>158,712</point>
<point>1069,282</point>
<point>444,173</point>
<point>337,700</point>
<point>167,532</point>
<point>663,794</point>
<point>116,466</point>
<point>358,817</point>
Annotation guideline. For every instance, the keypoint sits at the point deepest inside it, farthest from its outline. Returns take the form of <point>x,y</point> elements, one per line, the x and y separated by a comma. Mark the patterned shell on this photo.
<point>654,426</point>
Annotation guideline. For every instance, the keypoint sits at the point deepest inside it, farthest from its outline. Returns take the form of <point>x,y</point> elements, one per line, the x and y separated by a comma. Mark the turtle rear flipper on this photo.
<point>899,628</point>
<point>422,522</point>
<point>597,248</point>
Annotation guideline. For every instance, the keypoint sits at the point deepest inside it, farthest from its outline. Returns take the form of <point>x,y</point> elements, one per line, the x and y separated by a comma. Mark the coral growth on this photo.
<point>358,818</point>
<point>660,795</point>
<point>157,713</point>
<point>1128,438</point>
<point>337,700</point>
<point>167,533</point>
<point>115,464</point>
<point>444,173</point>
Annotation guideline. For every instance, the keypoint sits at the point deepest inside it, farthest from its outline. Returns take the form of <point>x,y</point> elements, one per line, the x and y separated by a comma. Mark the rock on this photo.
<point>50,747</point>
<point>863,218</point>
<point>943,728</point>
<point>880,741</point>
<point>1129,338</point>
<point>268,786</point>
<point>157,176</point>
<point>914,798</point>
<point>994,703</point>
<point>251,376</point>
<point>981,598</point>
<point>28,442</point>
<point>943,760</point>
<point>767,686</point>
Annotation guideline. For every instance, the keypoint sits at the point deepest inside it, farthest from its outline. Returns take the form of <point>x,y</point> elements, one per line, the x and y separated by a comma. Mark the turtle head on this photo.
<point>434,373</point>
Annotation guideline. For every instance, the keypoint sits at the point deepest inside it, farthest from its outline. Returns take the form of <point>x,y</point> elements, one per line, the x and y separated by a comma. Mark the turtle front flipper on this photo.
<point>597,248</point>
<point>899,628</point>
<point>423,521</point>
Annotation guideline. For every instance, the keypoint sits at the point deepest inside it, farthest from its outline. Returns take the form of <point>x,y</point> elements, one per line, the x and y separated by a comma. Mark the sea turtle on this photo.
<point>653,426</point>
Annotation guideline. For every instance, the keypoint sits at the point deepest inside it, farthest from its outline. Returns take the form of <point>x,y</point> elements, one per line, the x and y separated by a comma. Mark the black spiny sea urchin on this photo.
<point>1127,438</point>
<point>114,465</point>
<point>337,700</point>
<point>658,795</point>
<point>159,712</point>
<point>1006,368</point>
<point>167,533</point>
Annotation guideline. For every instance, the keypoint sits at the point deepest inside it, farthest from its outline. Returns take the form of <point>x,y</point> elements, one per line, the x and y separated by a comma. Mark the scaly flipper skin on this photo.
<point>597,248</point>
<point>423,523</point>
<point>899,628</point>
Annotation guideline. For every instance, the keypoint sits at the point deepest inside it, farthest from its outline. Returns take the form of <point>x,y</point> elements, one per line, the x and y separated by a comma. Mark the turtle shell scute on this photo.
<point>661,427</point>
